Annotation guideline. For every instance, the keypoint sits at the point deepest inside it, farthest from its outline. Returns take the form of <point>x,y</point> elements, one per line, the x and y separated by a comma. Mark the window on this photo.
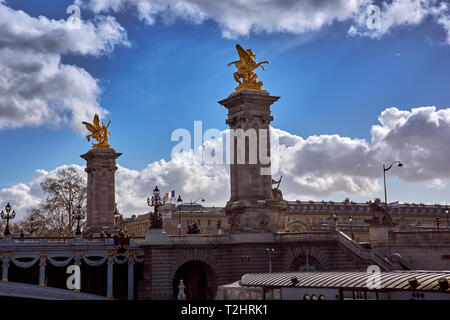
<point>371,295</point>
<point>209,223</point>
<point>348,295</point>
<point>321,297</point>
<point>383,296</point>
<point>306,297</point>
<point>277,294</point>
<point>359,295</point>
<point>314,297</point>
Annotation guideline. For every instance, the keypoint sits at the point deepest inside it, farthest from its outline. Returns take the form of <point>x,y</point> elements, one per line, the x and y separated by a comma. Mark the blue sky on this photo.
<point>171,74</point>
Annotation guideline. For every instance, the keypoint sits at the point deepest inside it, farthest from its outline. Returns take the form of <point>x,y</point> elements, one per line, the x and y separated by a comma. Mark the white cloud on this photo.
<point>236,17</point>
<point>35,87</point>
<point>316,167</point>
<point>24,196</point>
<point>436,184</point>
<point>397,13</point>
<point>239,18</point>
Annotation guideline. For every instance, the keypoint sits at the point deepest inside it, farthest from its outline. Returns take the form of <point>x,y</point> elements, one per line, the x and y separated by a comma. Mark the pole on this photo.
<point>179,221</point>
<point>351,229</point>
<point>270,262</point>
<point>385,192</point>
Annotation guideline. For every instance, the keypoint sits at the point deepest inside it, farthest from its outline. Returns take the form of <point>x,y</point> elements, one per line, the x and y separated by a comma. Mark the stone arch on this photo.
<point>200,258</point>
<point>305,259</point>
<point>297,226</point>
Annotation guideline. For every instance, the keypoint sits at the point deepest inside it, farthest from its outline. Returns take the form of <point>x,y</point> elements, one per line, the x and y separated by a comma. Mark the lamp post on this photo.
<point>203,200</point>
<point>156,201</point>
<point>350,219</point>
<point>31,225</point>
<point>190,208</point>
<point>179,202</point>
<point>78,215</point>
<point>270,251</point>
<point>8,216</point>
<point>446,214</point>
<point>386,168</point>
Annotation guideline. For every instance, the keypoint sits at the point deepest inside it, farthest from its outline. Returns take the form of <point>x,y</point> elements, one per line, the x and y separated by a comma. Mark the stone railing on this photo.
<point>63,242</point>
<point>305,236</point>
<point>421,236</point>
<point>204,238</point>
<point>366,254</point>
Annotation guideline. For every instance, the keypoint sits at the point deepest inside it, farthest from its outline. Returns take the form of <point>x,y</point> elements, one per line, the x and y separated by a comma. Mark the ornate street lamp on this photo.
<point>31,225</point>
<point>193,227</point>
<point>179,202</point>
<point>386,168</point>
<point>78,215</point>
<point>8,216</point>
<point>155,217</point>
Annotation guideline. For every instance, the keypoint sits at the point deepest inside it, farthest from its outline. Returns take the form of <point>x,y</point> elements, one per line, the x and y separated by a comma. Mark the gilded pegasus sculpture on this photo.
<point>99,132</point>
<point>245,65</point>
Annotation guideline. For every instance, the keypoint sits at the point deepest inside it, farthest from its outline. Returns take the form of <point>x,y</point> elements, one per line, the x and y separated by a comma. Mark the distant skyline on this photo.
<point>352,98</point>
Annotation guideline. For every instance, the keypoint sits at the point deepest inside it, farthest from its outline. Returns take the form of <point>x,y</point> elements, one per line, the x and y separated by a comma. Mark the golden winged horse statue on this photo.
<point>245,65</point>
<point>99,132</point>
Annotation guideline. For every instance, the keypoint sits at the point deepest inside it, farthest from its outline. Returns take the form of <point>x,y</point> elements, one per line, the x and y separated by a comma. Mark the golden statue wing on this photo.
<point>89,126</point>
<point>96,122</point>
<point>244,55</point>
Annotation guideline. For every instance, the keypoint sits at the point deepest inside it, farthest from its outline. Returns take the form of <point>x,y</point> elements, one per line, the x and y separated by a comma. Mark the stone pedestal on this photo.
<point>251,207</point>
<point>379,236</point>
<point>156,236</point>
<point>100,168</point>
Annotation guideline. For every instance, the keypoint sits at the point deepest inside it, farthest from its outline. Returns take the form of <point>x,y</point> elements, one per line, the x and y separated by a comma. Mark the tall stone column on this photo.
<point>251,207</point>
<point>100,168</point>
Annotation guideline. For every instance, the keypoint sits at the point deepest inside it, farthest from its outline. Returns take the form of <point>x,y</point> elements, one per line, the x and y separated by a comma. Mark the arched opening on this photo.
<point>199,279</point>
<point>305,263</point>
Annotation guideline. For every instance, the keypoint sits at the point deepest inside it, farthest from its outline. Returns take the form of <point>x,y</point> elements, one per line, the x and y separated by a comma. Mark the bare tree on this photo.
<point>54,217</point>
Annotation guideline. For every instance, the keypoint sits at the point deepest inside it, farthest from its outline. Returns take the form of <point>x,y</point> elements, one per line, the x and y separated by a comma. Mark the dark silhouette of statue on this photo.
<point>194,228</point>
<point>156,221</point>
<point>380,215</point>
<point>276,192</point>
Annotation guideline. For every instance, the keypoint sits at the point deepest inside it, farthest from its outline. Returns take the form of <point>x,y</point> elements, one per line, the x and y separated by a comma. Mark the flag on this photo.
<point>166,196</point>
<point>173,194</point>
